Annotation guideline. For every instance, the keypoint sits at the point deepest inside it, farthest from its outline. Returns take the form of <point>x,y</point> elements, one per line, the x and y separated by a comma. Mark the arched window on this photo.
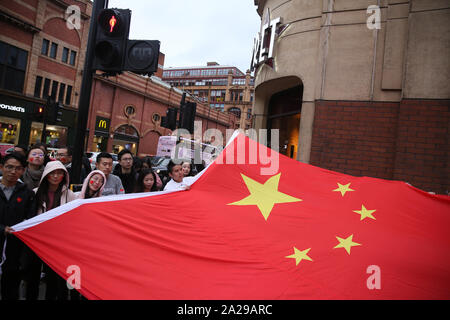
<point>236,111</point>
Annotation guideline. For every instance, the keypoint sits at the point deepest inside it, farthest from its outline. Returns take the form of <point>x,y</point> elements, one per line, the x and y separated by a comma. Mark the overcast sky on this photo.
<point>193,32</point>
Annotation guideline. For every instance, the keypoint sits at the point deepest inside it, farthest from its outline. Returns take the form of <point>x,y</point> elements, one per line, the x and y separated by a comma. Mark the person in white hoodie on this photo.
<point>93,185</point>
<point>53,191</point>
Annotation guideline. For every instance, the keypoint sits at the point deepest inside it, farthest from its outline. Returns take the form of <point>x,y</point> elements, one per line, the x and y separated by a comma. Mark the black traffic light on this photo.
<point>39,113</point>
<point>57,112</point>
<point>170,121</point>
<point>187,116</point>
<point>111,39</point>
<point>142,56</point>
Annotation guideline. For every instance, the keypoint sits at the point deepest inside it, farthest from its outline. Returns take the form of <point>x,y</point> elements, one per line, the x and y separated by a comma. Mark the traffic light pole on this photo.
<point>85,95</point>
<point>44,120</point>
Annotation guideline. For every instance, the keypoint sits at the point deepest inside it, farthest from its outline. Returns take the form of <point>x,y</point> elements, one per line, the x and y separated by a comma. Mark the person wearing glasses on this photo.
<point>53,191</point>
<point>125,171</point>
<point>16,205</point>
<point>33,172</point>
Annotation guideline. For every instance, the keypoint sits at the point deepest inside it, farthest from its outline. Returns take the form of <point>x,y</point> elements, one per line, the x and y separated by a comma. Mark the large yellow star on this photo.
<point>265,196</point>
<point>346,243</point>
<point>300,255</point>
<point>343,189</point>
<point>365,213</point>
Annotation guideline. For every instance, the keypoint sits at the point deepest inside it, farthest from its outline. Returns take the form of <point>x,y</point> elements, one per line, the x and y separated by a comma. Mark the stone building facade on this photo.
<point>355,97</point>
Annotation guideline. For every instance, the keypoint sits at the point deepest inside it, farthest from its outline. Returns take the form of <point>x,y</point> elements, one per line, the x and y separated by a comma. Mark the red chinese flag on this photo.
<point>297,232</point>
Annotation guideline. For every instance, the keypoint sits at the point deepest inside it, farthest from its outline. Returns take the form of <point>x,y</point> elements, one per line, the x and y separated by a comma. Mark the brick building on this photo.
<point>222,87</point>
<point>358,100</point>
<point>40,56</point>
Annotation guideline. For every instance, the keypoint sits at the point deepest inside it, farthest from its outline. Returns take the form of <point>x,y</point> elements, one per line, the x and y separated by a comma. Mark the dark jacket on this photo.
<point>20,207</point>
<point>128,179</point>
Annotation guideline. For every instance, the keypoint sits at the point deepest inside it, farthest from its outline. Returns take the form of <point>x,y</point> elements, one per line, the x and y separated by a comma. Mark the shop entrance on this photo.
<point>284,114</point>
<point>125,137</point>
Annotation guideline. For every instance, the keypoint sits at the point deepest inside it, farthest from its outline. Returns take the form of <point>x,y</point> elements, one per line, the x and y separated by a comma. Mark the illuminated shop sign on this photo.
<point>264,42</point>
<point>12,108</point>
<point>102,124</point>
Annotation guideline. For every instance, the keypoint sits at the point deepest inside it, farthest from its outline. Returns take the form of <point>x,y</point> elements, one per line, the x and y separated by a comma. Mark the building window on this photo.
<point>53,50</point>
<point>62,89</point>
<point>13,63</point>
<point>73,56</point>
<point>235,111</point>
<point>54,89</point>
<point>9,130</point>
<point>65,55</point>
<point>37,87</point>
<point>130,111</point>
<point>237,95</point>
<point>68,95</point>
<point>156,118</point>
<point>46,88</point>
<point>45,45</point>
<point>55,137</point>
<point>239,82</point>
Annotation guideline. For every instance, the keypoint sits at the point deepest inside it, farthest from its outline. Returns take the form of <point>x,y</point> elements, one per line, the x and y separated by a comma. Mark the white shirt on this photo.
<point>173,185</point>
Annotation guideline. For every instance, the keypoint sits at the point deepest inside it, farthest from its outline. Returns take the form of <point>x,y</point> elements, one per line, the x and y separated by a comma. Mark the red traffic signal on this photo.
<point>111,39</point>
<point>39,113</point>
<point>112,22</point>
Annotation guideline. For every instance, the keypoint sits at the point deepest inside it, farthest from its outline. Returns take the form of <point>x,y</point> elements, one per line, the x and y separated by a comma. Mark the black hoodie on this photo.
<point>128,179</point>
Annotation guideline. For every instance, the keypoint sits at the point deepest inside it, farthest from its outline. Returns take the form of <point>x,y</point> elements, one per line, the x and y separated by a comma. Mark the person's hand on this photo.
<point>9,230</point>
<point>187,187</point>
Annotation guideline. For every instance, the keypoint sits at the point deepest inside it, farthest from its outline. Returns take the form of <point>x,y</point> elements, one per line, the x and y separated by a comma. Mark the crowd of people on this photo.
<point>32,183</point>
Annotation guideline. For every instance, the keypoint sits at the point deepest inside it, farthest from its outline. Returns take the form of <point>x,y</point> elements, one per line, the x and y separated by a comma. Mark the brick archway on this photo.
<point>60,17</point>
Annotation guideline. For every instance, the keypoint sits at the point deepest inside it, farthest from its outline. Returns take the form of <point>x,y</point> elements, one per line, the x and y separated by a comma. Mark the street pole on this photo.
<point>44,121</point>
<point>85,95</point>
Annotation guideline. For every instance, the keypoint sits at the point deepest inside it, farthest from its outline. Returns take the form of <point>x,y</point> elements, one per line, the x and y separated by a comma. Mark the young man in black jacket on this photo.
<point>16,205</point>
<point>125,170</point>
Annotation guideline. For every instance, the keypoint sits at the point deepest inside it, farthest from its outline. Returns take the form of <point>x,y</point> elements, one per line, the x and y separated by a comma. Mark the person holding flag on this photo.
<point>52,192</point>
<point>16,205</point>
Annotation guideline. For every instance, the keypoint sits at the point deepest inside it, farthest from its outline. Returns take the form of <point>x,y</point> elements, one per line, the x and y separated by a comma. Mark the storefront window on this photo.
<point>9,130</point>
<point>125,137</point>
<point>119,145</point>
<point>55,137</point>
<point>99,144</point>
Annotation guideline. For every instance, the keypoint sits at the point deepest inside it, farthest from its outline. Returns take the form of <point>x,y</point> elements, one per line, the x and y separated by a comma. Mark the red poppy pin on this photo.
<point>19,199</point>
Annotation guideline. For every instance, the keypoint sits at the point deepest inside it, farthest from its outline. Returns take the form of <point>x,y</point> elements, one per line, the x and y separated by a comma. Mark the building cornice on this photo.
<point>260,4</point>
<point>18,22</point>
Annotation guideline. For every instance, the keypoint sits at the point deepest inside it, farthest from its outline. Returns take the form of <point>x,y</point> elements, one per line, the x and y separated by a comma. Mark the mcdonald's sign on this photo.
<point>102,124</point>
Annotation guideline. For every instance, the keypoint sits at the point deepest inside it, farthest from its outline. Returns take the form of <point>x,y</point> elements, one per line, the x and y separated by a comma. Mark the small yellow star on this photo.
<point>300,255</point>
<point>265,196</point>
<point>343,189</point>
<point>365,213</point>
<point>347,244</point>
